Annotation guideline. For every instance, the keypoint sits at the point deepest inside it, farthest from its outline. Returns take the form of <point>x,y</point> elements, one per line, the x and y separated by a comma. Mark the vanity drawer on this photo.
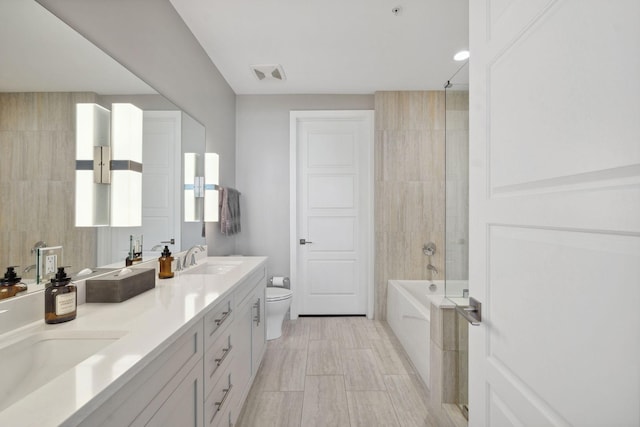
<point>217,320</point>
<point>220,401</point>
<point>218,358</point>
<point>248,285</point>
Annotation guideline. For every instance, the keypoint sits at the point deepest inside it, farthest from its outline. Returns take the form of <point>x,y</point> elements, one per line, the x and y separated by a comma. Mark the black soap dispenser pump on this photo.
<point>60,299</point>
<point>10,284</point>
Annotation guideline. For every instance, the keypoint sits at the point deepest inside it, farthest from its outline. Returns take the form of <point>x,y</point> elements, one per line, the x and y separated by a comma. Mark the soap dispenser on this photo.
<point>60,302</point>
<point>10,284</point>
<point>165,264</point>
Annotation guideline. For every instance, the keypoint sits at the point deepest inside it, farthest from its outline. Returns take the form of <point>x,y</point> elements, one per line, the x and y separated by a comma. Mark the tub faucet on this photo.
<point>432,268</point>
<point>190,256</point>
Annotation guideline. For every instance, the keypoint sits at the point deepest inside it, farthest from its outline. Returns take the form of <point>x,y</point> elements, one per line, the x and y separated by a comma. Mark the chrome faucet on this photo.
<point>190,256</point>
<point>37,245</point>
<point>432,268</point>
<point>171,241</point>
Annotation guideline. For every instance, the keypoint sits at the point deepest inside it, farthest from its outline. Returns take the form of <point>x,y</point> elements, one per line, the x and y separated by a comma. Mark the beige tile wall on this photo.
<point>409,187</point>
<point>37,179</point>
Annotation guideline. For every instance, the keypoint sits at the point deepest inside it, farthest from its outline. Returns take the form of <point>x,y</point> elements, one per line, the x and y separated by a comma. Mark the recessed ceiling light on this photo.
<point>461,56</point>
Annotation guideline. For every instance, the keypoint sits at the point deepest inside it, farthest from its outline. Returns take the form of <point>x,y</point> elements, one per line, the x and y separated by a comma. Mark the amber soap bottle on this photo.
<point>165,264</point>
<point>60,299</point>
<point>10,284</point>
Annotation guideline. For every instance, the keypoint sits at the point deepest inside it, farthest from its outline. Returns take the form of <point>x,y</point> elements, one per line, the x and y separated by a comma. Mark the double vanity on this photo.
<point>183,353</point>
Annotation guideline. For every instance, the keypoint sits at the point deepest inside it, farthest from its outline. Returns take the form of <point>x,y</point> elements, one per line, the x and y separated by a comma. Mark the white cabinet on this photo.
<point>203,377</point>
<point>250,329</point>
<point>218,361</point>
<point>217,319</point>
<point>183,407</point>
<point>154,390</point>
<point>242,362</point>
<point>258,331</point>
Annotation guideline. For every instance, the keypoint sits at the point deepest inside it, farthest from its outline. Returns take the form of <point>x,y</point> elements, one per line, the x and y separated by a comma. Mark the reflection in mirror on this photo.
<point>193,190</point>
<point>47,69</point>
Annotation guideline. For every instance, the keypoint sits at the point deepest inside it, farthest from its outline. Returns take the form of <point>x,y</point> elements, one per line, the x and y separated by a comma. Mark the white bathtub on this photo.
<point>408,314</point>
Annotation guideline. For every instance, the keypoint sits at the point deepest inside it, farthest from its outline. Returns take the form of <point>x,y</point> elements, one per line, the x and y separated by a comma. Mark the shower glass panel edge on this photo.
<point>457,218</point>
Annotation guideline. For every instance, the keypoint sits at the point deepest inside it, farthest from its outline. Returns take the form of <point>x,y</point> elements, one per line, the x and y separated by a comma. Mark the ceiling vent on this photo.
<point>268,72</point>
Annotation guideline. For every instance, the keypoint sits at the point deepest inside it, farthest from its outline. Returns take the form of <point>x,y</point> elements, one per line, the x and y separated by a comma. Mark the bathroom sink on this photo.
<point>214,267</point>
<point>35,359</point>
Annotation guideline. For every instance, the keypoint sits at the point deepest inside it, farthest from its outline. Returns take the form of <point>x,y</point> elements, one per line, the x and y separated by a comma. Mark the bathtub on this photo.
<point>409,315</point>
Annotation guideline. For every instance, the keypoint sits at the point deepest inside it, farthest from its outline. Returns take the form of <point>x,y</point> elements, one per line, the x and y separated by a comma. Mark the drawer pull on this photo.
<point>224,398</point>
<point>256,305</point>
<point>226,394</point>
<point>220,321</point>
<point>225,353</point>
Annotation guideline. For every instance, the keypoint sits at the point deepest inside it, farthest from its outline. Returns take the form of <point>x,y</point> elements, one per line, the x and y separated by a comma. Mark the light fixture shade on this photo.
<point>190,169</point>
<point>126,165</point>
<point>211,181</point>
<point>92,199</point>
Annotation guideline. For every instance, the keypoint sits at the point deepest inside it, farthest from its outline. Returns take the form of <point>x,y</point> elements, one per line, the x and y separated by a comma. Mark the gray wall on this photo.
<point>262,166</point>
<point>150,39</point>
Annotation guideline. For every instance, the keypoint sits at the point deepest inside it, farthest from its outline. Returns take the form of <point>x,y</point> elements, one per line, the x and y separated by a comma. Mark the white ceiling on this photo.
<point>331,46</point>
<point>40,53</point>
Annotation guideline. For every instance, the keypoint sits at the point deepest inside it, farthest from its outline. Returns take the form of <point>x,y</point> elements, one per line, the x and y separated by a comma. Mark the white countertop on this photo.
<point>151,321</point>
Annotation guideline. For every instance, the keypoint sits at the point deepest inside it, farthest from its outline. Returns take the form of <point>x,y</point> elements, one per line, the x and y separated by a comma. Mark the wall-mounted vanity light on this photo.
<point>192,188</point>
<point>201,190</point>
<point>211,181</point>
<point>108,166</point>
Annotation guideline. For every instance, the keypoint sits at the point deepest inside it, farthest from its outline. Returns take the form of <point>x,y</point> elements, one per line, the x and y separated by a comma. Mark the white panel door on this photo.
<point>555,213</point>
<point>160,191</point>
<point>161,178</point>
<point>333,211</point>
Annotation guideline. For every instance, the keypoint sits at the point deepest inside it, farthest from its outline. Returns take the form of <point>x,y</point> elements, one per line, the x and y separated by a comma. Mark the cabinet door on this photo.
<point>258,331</point>
<point>184,407</point>
<point>242,353</point>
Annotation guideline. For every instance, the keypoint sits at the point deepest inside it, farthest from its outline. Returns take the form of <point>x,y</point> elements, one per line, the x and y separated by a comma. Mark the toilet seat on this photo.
<point>278,294</point>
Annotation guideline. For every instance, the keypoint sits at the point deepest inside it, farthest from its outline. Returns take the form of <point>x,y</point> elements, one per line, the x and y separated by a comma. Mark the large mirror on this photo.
<point>47,69</point>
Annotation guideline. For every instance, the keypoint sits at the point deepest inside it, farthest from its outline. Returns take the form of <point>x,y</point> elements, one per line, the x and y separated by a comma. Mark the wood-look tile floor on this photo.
<point>338,371</point>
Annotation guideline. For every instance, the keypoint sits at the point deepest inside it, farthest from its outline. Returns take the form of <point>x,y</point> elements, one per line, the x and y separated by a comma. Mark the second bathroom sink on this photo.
<point>214,267</point>
<point>37,358</point>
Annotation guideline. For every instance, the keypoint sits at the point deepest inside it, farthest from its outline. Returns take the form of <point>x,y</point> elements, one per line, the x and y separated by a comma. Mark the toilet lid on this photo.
<point>278,294</point>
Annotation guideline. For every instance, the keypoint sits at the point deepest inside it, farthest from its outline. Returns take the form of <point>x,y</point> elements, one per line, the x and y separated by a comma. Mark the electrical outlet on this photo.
<point>50,262</point>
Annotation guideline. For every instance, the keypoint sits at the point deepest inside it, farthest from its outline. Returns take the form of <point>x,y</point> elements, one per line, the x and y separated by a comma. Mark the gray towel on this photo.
<point>229,211</point>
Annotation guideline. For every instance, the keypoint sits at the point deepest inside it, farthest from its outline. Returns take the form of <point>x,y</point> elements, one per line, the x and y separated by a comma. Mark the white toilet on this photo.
<point>278,302</point>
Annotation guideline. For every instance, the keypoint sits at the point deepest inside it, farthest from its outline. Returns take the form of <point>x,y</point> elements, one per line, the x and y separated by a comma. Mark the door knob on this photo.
<point>305,242</point>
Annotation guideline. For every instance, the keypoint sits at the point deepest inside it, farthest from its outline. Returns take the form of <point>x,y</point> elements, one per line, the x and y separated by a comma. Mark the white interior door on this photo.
<point>331,232</point>
<point>161,179</point>
<point>555,213</point>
